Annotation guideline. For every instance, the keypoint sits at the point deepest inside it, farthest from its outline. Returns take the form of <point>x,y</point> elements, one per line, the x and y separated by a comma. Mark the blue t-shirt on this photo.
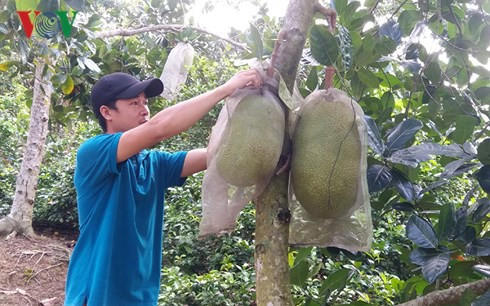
<point>118,255</point>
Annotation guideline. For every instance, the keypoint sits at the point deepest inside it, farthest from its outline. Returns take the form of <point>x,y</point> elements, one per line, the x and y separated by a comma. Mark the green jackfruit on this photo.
<point>326,156</point>
<point>252,142</point>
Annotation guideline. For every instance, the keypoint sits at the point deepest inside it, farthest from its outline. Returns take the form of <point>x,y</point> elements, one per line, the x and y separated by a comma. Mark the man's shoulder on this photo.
<point>97,140</point>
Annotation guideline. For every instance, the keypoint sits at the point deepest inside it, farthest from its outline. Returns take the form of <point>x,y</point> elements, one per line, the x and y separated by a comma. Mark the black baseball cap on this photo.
<point>120,85</point>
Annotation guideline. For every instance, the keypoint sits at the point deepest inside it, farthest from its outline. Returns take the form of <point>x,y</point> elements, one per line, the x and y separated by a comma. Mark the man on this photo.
<point>120,188</point>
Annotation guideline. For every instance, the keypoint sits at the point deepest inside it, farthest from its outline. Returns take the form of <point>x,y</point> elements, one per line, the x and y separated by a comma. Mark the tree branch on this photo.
<point>374,7</point>
<point>449,296</point>
<point>396,11</point>
<point>165,27</point>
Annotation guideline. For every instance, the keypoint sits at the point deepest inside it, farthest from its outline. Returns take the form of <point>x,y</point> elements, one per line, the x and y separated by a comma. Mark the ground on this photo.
<point>33,270</point>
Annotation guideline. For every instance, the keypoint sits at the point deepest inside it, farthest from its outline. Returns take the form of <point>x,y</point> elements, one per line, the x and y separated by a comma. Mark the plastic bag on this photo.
<point>352,231</point>
<point>176,68</point>
<point>221,200</point>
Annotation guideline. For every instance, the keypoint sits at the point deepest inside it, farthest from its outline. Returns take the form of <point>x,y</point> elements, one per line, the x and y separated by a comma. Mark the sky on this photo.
<point>223,17</point>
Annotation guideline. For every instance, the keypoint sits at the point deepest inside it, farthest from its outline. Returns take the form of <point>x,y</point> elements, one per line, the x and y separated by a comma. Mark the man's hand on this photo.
<point>242,79</point>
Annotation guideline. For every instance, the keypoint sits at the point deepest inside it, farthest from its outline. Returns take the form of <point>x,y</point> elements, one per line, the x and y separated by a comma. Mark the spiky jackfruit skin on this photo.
<point>326,157</point>
<point>252,144</point>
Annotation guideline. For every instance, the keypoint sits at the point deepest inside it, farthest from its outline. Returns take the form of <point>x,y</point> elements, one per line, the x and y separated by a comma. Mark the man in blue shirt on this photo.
<point>120,188</point>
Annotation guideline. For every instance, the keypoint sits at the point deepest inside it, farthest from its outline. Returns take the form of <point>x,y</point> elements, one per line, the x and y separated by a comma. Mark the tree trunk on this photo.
<point>449,296</point>
<point>19,219</point>
<point>272,213</point>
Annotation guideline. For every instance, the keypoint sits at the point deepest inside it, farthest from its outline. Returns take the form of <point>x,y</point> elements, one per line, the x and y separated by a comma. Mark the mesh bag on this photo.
<point>243,151</point>
<point>351,228</point>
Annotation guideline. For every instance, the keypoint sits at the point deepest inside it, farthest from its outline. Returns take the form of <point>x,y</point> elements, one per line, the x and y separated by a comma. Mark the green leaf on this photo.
<point>302,254</point>
<point>91,65</point>
<point>340,7</point>
<point>485,34</point>
<point>421,232</point>
<point>6,65</point>
<point>413,287</point>
<point>314,270</point>
<point>484,152</point>
<point>77,70</point>
<point>433,72</point>
<point>402,134</point>
<point>368,78</point>
<point>256,40</point>
<point>357,22</point>
<point>479,247</point>
<point>323,45</point>
<point>446,221</point>
<point>468,235</point>
<point>78,5</point>
<point>463,269</point>
<point>363,57</point>
<point>48,6</point>
<point>420,256</point>
<point>481,211</point>
<point>374,137</point>
<point>465,126</point>
<point>392,30</point>
<point>450,12</point>
<point>404,187</point>
<point>403,206</point>
<point>368,44</point>
<point>68,85</point>
<point>4,16</point>
<point>284,93</point>
<point>386,46</point>
<point>388,100</point>
<point>483,94</point>
<point>299,273</point>
<point>467,298</point>
<point>312,80</point>
<point>435,267</point>
<point>486,6</point>
<point>482,269</point>
<point>407,20</point>
<point>378,177</point>
<point>26,5</point>
<point>475,23</point>
<point>335,281</point>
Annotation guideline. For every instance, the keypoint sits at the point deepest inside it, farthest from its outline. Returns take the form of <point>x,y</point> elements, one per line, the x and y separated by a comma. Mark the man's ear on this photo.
<point>105,112</point>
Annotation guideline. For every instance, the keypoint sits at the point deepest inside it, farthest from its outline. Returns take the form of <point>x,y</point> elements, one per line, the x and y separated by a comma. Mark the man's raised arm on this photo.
<point>180,117</point>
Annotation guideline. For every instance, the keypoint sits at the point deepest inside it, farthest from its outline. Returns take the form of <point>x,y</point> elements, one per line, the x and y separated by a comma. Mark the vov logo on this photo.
<point>47,24</point>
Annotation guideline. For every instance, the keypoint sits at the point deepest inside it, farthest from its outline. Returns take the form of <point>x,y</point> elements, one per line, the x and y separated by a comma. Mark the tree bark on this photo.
<point>272,213</point>
<point>19,219</point>
<point>449,296</point>
<point>165,27</point>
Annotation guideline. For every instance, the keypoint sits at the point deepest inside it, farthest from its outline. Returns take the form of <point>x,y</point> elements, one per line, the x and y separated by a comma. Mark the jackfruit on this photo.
<point>252,142</point>
<point>326,156</point>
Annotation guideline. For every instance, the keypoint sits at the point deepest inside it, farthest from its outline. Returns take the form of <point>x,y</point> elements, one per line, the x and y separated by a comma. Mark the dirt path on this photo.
<point>33,271</point>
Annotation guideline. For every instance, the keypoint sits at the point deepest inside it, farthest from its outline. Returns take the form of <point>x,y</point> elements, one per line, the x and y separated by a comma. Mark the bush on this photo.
<point>14,122</point>
<point>56,199</point>
<point>218,269</point>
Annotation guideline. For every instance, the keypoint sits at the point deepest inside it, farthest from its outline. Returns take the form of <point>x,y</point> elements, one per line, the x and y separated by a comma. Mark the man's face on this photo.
<point>129,113</point>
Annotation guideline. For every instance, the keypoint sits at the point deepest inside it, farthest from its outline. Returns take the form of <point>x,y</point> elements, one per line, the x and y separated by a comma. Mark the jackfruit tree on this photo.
<point>420,78</point>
